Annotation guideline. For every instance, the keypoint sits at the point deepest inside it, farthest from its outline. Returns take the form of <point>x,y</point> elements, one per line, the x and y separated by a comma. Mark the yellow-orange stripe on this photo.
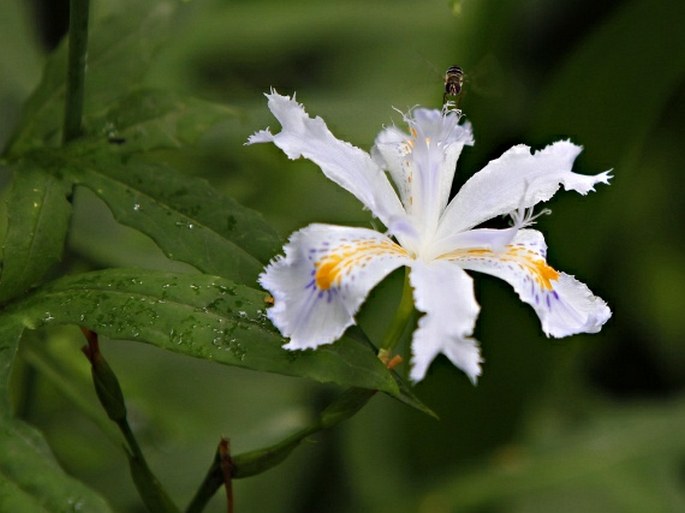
<point>332,267</point>
<point>531,261</point>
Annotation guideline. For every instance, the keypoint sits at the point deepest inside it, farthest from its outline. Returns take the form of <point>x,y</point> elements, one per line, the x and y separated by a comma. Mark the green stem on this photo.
<point>402,317</point>
<point>76,68</point>
<point>130,438</point>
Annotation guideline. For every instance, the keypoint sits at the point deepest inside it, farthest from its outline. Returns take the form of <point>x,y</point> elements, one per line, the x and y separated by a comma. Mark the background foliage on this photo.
<point>592,423</point>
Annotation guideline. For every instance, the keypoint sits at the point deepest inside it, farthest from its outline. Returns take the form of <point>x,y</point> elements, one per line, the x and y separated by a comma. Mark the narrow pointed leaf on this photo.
<point>408,397</point>
<point>198,315</point>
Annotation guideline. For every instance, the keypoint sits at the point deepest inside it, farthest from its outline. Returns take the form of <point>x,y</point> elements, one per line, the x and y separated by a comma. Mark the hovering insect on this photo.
<point>454,83</point>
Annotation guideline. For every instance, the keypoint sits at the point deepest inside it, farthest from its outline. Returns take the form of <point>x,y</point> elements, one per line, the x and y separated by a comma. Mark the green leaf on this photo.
<point>10,333</point>
<point>407,396</point>
<point>32,481</point>
<point>30,478</point>
<point>197,315</point>
<point>38,214</point>
<point>121,49</point>
<point>187,218</point>
<point>593,80</point>
<point>150,119</point>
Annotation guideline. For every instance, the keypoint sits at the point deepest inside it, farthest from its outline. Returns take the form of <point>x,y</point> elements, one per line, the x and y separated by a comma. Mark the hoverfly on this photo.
<point>454,84</point>
<point>454,87</point>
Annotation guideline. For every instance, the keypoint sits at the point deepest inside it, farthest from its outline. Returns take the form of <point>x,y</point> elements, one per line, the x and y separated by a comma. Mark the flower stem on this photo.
<point>76,68</point>
<point>402,317</point>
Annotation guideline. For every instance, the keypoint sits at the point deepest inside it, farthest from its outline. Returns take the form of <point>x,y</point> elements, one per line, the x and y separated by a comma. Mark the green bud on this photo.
<point>106,383</point>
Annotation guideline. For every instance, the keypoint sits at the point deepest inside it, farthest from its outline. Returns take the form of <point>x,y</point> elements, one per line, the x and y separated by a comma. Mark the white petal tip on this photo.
<point>471,367</point>
<point>578,310</point>
<point>261,136</point>
<point>605,177</point>
<point>300,345</point>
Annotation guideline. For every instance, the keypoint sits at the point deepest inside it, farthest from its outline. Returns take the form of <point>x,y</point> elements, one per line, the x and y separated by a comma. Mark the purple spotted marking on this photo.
<point>330,295</point>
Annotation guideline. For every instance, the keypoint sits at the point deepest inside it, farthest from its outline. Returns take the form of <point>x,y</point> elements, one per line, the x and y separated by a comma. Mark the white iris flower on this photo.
<point>327,270</point>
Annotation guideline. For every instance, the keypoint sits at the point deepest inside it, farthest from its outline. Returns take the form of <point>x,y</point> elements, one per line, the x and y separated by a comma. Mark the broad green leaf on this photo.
<point>32,481</point>
<point>122,46</point>
<point>38,214</point>
<point>152,119</point>
<point>593,80</point>
<point>198,315</point>
<point>187,218</point>
<point>30,478</point>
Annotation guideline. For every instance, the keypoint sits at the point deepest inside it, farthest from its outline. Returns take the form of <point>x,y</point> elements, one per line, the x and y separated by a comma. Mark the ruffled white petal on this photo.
<point>488,238</point>
<point>445,293</point>
<point>422,164</point>
<point>564,305</point>
<point>343,163</point>
<point>324,277</point>
<point>390,152</point>
<point>518,179</point>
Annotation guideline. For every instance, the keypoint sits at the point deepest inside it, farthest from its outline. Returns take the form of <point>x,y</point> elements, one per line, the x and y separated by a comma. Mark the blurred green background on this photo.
<point>591,423</point>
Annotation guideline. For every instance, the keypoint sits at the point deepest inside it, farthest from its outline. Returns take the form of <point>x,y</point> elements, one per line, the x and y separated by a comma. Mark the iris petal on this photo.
<point>422,163</point>
<point>564,305</point>
<point>343,163</point>
<point>444,292</point>
<point>323,279</point>
<point>518,179</point>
